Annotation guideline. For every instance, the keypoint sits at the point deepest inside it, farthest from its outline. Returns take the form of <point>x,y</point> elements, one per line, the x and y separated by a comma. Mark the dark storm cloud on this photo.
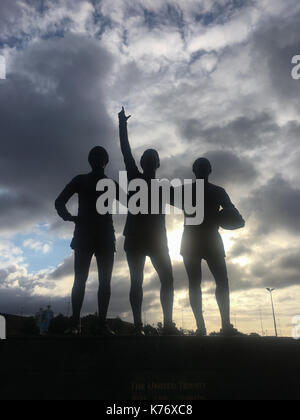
<point>291,261</point>
<point>275,206</point>
<point>274,44</point>
<point>279,270</point>
<point>244,132</point>
<point>22,302</point>
<point>17,208</point>
<point>52,112</point>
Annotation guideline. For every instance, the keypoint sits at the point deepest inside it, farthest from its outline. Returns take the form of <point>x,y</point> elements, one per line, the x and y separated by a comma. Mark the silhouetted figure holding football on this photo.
<point>146,235</point>
<point>94,235</point>
<point>204,242</point>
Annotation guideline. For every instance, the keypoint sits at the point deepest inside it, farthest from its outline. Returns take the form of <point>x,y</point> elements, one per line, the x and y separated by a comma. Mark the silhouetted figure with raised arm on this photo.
<point>204,242</point>
<point>146,235</point>
<point>94,235</point>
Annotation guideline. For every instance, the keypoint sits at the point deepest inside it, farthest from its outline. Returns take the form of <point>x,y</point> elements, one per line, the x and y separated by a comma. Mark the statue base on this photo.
<point>149,368</point>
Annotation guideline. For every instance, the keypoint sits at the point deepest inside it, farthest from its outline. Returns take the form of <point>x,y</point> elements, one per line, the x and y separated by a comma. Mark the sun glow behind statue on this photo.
<point>174,240</point>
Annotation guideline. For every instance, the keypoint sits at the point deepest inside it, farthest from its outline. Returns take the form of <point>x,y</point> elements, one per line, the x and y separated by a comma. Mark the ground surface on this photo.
<point>150,368</point>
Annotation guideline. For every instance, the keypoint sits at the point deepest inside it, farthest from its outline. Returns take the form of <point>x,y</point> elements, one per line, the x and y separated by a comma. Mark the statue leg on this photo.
<point>82,266</point>
<point>194,272</point>
<point>105,262</point>
<point>162,264</point>
<point>218,269</point>
<point>136,263</point>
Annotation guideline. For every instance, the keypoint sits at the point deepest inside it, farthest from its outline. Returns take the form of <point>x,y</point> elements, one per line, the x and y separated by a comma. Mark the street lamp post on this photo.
<point>261,323</point>
<point>275,326</point>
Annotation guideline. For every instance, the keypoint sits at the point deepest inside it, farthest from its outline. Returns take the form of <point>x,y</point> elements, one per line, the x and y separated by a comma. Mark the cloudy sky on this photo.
<point>200,77</point>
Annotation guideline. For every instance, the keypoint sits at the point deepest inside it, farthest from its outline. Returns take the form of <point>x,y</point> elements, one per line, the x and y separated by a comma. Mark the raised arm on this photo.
<point>125,146</point>
<point>63,198</point>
